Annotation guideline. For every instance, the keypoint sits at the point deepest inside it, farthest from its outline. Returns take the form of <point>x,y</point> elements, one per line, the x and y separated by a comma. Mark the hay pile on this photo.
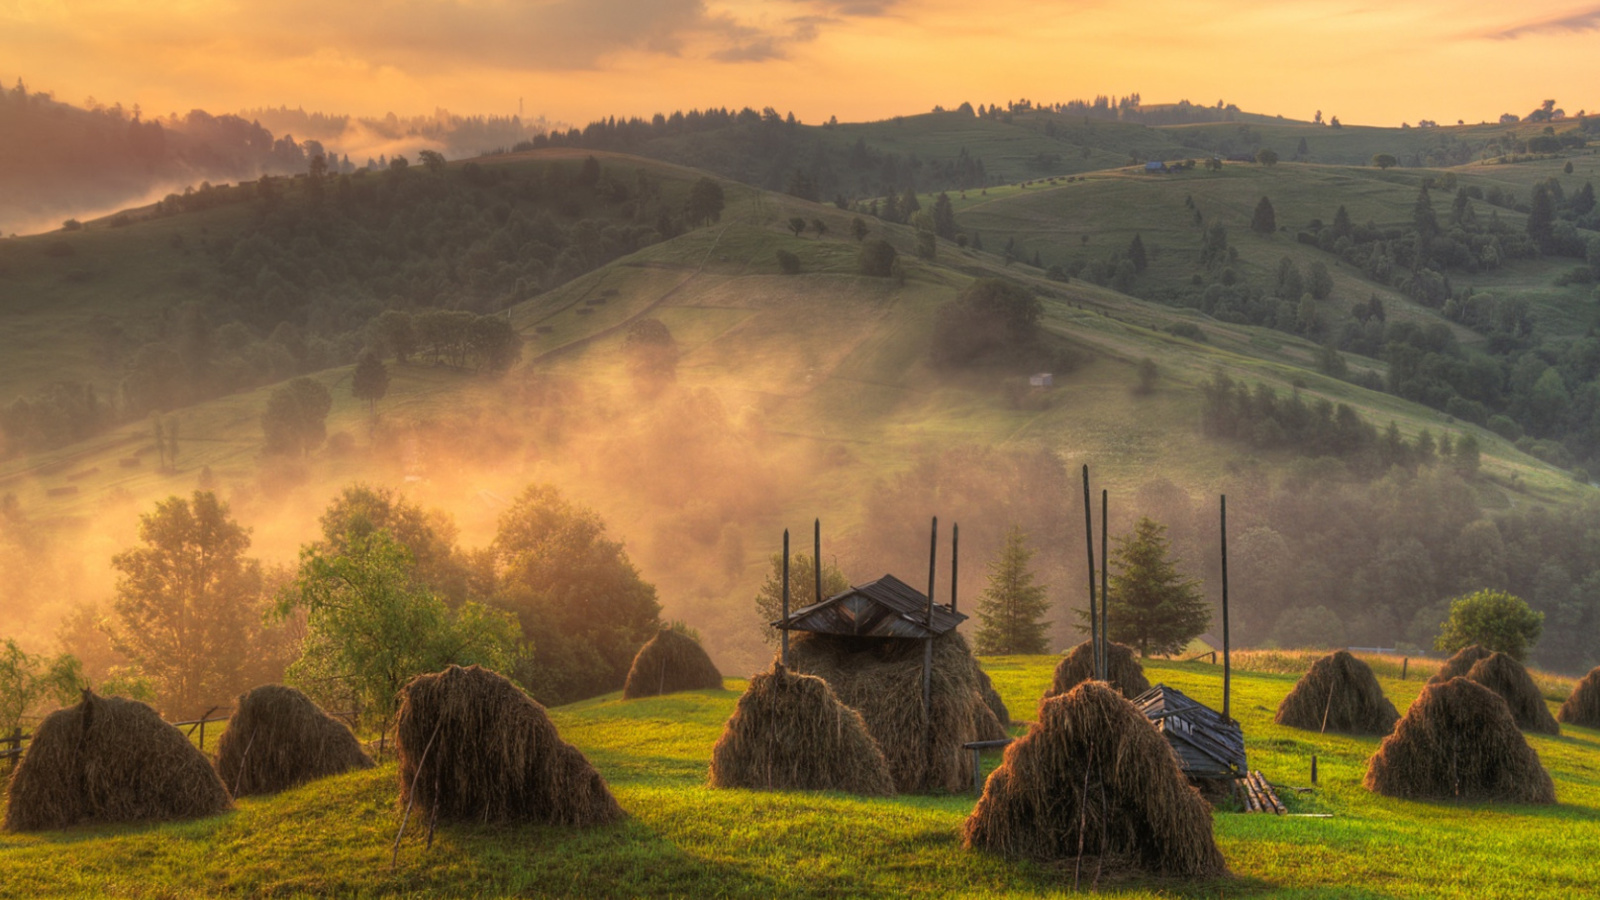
<point>110,760</point>
<point>492,755</point>
<point>1123,671</point>
<point>1506,677</point>
<point>1095,774</point>
<point>1458,741</point>
<point>277,739</point>
<point>1583,706</point>
<point>789,732</point>
<point>881,678</point>
<point>670,662</point>
<point>1459,664</point>
<point>1341,694</point>
<point>991,698</point>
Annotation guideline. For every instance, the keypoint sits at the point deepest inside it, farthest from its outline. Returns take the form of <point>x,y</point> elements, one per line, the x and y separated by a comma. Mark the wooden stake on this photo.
<point>816,552</point>
<point>1088,531</point>
<point>1227,662</point>
<point>927,652</point>
<point>784,654</point>
<point>1105,621</point>
<point>955,561</point>
<point>395,856</point>
<point>1405,663</point>
<point>1313,768</point>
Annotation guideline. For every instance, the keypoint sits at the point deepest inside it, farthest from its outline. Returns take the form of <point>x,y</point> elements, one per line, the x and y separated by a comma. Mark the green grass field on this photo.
<point>684,839</point>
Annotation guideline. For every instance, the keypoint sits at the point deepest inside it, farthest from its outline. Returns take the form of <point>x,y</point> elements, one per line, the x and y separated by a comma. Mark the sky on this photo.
<point>1378,63</point>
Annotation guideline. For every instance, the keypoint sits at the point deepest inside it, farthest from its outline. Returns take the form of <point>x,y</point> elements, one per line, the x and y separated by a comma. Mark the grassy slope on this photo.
<point>683,839</point>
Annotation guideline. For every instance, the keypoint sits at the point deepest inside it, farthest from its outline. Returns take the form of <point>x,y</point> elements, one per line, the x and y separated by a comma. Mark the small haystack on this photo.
<point>1458,741</point>
<point>882,679</point>
<point>1123,671</point>
<point>671,662</point>
<point>486,752</point>
<point>789,732</point>
<point>1583,707</point>
<point>991,698</point>
<point>1459,664</point>
<point>278,739</point>
<point>1506,677</point>
<point>110,760</point>
<point>1094,779</point>
<point>1341,694</point>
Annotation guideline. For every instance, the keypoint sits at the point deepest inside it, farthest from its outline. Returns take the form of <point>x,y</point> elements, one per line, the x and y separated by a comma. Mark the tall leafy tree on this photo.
<point>705,202</point>
<point>296,419</point>
<point>370,381</point>
<point>1011,606</point>
<point>1152,606</point>
<point>1492,619</point>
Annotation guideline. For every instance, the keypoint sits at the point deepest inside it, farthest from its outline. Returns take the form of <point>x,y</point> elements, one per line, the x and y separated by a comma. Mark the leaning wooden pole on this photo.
<point>1088,531</point>
<point>1105,595</point>
<point>955,561</point>
<point>784,628</point>
<point>816,553</point>
<point>1227,663</point>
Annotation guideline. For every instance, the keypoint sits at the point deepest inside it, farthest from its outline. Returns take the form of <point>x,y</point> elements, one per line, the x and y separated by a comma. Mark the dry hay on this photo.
<point>1583,706</point>
<point>882,679</point>
<point>1506,677</point>
<point>670,662</point>
<point>991,698</point>
<point>1123,671</point>
<point>476,748</point>
<point>110,760</point>
<point>1458,741</point>
<point>278,739</point>
<point>1459,664</point>
<point>789,732</point>
<point>1341,694</point>
<point>1094,779</point>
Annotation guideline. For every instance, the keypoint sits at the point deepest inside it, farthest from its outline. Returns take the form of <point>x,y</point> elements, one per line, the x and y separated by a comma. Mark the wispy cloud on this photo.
<point>1575,23</point>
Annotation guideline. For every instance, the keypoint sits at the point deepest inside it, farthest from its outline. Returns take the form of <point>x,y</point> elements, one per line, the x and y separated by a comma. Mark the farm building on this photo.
<point>1208,745</point>
<point>885,608</point>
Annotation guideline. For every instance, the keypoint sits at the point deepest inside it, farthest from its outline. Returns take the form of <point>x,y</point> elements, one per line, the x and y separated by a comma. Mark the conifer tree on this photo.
<point>1152,607</point>
<point>1009,611</point>
<point>1266,219</point>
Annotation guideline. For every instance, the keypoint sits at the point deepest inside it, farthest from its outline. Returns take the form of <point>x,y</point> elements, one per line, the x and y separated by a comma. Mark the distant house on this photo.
<point>1155,165</point>
<point>1042,380</point>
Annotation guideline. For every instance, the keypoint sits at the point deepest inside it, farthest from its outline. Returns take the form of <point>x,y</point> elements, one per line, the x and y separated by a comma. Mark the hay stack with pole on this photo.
<point>278,739</point>
<point>1340,694</point>
<point>991,698</point>
<point>789,732</point>
<point>1507,677</point>
<point>1123,671</point>
<point>1459,742</point>
<point>670,662</point>
<point>1459,664</point>
<point>1095,784</point>
<point>110,760</point>
<point>474,748</point>
<point>1582,707</point>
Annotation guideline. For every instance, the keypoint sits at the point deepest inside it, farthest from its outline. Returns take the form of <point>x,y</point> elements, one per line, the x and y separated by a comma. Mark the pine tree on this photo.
<point>1542,217</point>
<point>1152,607</point>
<point>1136,253</point>
<point>1009,611</point>
<point>1266,219</point>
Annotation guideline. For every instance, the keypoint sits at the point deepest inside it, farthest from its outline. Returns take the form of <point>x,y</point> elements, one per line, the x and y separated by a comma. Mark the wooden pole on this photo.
<point>816,553</point>
<point>1105,596</point>
<point>955,561</point>
<point>1088,530</point>
<point>1227,662</point>
<point>927,650</point>
<point>784,655</point>
<point>1405,663</point>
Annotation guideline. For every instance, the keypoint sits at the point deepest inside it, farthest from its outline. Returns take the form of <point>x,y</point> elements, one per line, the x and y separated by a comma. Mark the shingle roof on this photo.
<point>1207,745</point>
<point>887,607</point>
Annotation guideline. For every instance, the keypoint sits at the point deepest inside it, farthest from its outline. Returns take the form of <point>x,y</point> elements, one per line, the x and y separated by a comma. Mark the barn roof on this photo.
<point>887,607</point>
<point>1207,745</point>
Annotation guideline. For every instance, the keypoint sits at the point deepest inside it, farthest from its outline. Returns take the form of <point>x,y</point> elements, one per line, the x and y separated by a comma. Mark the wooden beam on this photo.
<point>784,654</point>
<point>1088,530</point>
<point>1227,661</point>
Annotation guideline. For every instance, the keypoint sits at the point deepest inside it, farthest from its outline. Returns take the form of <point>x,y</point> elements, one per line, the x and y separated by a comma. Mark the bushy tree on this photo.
<point>28,681</point>
<point>877,258</point>
<point>296,419</point>
<point>987,315</point>
<point>858,229</point>
<point>705,202</point>
<point>797,225</point>
<point>652,354</point>
<point>428,537</point>
<point>1492,619</point>
<point>802,589</point>
<point>1011,606</point>
<point>392,331</point>
<point>1267,156</point>
<point>1152,606</point>
<point>370,380</point>
<point>1384,160</point>
<point>788,263</point>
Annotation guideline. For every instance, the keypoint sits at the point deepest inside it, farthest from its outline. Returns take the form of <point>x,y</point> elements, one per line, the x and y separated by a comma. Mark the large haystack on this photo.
<point>1459,664</point>
<point>789,732</point>
<point>1458,741</point>
<point>991,697</point>
<point>671,662</point>
<point>277,739</point>
<point>1123,671</point>
<point>1341,694</point>
<point>110,760</point>
<point>1506,677</point>
<point>1095,777</point>
<point>1583,706</point>
<point>882,679</point>
<point>488,753</point>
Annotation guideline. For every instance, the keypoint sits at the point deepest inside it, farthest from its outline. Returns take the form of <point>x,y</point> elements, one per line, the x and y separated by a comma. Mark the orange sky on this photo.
<point>573,60</point>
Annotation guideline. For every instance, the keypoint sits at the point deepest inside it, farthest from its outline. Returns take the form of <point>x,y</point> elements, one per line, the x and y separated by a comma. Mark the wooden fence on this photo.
<point>11,749</point>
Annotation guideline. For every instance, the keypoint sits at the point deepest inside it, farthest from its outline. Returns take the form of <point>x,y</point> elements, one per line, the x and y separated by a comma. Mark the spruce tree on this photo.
<point>1266,219</point>
<point>1137,254</point>
<point>1152,607</point>
<point>1009,611</point>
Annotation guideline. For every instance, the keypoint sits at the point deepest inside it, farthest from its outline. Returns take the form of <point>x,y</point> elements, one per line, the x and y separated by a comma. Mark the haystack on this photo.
<point>1341,694</point>
<point>278,739</point>
<point>1583,706</point>
<point>991,698</point>
<point>1123,671</point>
<point>1459,664</point>
<point>671,662</point>
<point>882,679</point>
<point>486,752</point>
<point>110,760</point>
<point>1458,741</point>
<point>1506,677</point>
<point>789,732</point>
<point>1095,777</point>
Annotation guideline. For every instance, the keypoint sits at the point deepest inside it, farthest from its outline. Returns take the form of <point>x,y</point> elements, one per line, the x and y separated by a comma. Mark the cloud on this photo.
<point>1576,23</point>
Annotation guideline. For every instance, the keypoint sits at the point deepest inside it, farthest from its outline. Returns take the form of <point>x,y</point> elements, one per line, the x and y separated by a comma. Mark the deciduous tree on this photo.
<point>1492,619</point>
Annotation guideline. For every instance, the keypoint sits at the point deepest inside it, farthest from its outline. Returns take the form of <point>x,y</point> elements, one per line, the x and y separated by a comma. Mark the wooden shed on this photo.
<point>885,608</point>
<point>1208,744</point>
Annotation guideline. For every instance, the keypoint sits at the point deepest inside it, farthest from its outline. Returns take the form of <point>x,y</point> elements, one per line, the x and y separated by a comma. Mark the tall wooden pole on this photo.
<point>785,628</point>
<point>1227,663</point>
<point>955,561</point>
<point>927,651</point>
<point>1088,531</point>
<point>1105,595</point>
<point>816,553</point>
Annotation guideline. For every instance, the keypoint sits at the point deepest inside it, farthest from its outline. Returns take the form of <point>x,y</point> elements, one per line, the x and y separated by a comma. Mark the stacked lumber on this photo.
<point>1256,795</point>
